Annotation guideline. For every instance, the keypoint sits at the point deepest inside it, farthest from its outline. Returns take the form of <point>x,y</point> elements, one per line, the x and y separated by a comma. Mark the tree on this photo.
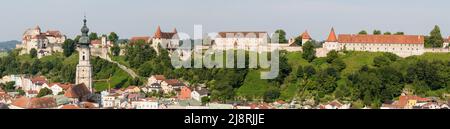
<point>68,47</point>
<point>376,32</point>
<point>339,64</point>
<point>205,100</point>
<point>115,49</point>
<point>21,92</point>
<point>309,52</point>
<point>380,61</point>
<point>93,36</point>
<point>43,92</point>
<point>298,40</point>
<point>33,53</point>
<point>282,36</point>
<point>332,55</point>
<point>9,86</point>
<point>387,33</point>
<point>309,71</point>
<point>77,38</point>
<point>113,37</point>
<point>271,95</point>
<point>363,32</point>
<point>35,67</point>
<point>299,73</point>
<point>435,39</point>
<point>399,33</point>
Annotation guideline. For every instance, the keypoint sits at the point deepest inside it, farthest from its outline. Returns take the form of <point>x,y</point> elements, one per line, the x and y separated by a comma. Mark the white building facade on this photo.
<point>401,45</point>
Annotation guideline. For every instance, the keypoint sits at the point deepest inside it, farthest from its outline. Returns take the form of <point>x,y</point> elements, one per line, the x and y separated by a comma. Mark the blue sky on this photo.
<point>141,17</point>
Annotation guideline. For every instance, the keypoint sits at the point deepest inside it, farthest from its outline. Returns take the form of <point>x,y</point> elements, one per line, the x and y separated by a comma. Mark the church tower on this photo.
<point>84,67</point>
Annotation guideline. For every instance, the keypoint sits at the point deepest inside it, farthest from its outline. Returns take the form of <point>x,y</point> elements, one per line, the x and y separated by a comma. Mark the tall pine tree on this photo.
<point>435,39</point>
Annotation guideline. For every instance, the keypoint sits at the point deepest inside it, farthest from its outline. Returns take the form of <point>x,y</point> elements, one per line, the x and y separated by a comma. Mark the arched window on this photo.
<point>83,57</point>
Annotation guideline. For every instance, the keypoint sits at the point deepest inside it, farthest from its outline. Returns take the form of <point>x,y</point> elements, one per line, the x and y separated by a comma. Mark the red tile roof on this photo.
<point>53,33</point>
<point>63,86</point>
<point>160,77</point>
<point>335,104</point>
<point>35,103</point>
<point>165,35</point>
<point>332,36</point>
<point>392,39</point>
<point>32,92</point>
<point>403,100</point>
<point>77,91</point>
<point>39,79</point>
<point>70,106</point>
<point>174,82</point>
<point>143,38</point>
<point>306,35</point>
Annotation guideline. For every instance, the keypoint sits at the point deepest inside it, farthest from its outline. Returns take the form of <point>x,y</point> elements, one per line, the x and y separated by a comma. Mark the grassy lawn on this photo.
<point>253,85</point>
<point>355,60</point>
<point>435,56</point>
<point>119,79</point>
<point>120,60</point>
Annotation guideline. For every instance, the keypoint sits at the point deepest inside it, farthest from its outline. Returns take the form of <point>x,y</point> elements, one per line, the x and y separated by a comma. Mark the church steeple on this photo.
<point>84,67</point>
<point>84,39</point>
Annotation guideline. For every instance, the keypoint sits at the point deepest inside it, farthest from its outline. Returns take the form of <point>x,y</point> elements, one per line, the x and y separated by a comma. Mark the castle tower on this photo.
<point>332,42</point>
<point>305,37</point>
<point>84,67</point>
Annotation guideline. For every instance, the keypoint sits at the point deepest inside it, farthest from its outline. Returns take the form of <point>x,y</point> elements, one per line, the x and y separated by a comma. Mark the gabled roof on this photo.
<point>77,91</point>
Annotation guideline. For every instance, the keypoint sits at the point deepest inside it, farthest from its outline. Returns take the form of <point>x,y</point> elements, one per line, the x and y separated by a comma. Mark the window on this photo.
<point>83,57</point>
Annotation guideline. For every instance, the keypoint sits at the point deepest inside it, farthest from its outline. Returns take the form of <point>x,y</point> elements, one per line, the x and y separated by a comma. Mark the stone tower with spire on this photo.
<point>84,67</point>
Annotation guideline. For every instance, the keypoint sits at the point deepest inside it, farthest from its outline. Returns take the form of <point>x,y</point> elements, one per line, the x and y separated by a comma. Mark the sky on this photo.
<point>141,17</point>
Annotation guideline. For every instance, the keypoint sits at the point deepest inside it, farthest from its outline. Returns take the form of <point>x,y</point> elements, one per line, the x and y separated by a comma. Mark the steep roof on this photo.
<point>306,35</point>
<point>392,39</point>
<point>165,35</point>
<point>332,36</point>
<point>77,91</point>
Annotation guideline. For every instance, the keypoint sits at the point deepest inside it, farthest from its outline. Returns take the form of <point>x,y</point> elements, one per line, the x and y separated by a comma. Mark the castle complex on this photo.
<point>401,45</point>
<point>46,43</point>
